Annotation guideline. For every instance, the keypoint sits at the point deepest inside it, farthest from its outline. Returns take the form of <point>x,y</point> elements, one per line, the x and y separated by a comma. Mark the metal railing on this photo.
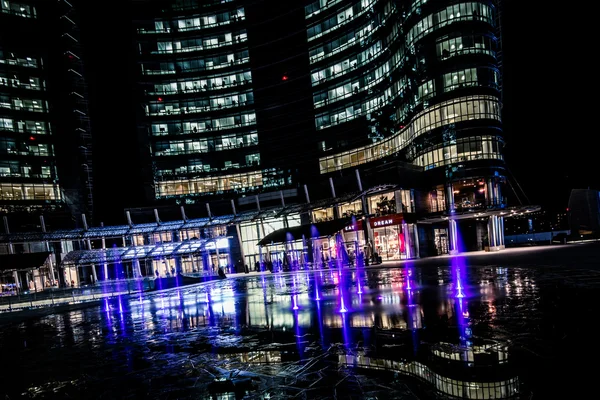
<point>62,296</point>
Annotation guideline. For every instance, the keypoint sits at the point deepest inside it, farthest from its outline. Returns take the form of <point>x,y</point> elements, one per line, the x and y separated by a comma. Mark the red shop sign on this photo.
<point>394,219</point>
<point>357,226</point>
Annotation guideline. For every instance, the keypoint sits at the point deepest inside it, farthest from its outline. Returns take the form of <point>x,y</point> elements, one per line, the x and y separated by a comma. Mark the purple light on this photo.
<point>343,308</point>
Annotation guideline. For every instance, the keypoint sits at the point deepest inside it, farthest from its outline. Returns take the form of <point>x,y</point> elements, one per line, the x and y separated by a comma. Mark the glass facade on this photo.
<point>416,80</point>
<point>199,100</point>
<point>453,388</point>
<point>28,174</point>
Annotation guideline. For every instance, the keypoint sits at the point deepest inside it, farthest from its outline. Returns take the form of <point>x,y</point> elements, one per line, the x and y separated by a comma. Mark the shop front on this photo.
<point>354,238</point>
<point>393,237</point>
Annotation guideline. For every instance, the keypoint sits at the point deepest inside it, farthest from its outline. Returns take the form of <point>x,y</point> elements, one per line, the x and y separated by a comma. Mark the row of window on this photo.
<point>22,126</point>
<point>18,9</point>
<point>194,4</point>
<point>341,43</point>
<point>451,14</point>
<point>469,355</point>
<point>466,149</point>
<point>240,182</point>
<point>321,5</point>
<point>10,58</point>
<point>470,77</point>
<point>198,85</point>
<point>445,113</point>
<point>22,82</point>
<point>452,81</point>
<point>197,166</point>
<point>468,44</point>
<point>339,69</point>
<point>189,45</point>
<point>203,125</point>
<point>323,121</point>
<point>398,201</point>
<point>16,103</point>
<point>14,147</point>
<point>196,64</point>
<point>196,23</point>
<point>424,91</point>
<point>22,169</point>
<point>458,12</point>
<point>350,87</point>
<point>198,105</point>
<point>18,191</point>
<point>458,389</point>
<point>206,145</point>
<point>340,19</point>
<point>352,111</point>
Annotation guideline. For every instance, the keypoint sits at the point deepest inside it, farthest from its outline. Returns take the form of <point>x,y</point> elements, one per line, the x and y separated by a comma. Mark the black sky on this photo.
<point>546,106</point>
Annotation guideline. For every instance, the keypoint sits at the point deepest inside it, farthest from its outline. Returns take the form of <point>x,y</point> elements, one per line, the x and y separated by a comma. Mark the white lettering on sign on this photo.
<point>349,228</point>
<point>383,222</point>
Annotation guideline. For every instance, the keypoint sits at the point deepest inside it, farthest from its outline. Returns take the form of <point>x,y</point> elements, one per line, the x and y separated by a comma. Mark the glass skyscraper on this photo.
<point>198,100</point>
<point>45,139</point>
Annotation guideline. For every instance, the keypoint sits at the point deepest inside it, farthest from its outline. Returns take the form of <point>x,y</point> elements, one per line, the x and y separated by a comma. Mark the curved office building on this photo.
<point>198,98</point>
<point>416,81</point>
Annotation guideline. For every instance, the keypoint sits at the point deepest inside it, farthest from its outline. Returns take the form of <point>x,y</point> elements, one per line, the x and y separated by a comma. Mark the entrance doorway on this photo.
<point>441,241</point>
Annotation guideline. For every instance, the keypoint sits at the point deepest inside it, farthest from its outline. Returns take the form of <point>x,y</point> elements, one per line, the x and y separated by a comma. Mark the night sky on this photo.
<point>546,102</point>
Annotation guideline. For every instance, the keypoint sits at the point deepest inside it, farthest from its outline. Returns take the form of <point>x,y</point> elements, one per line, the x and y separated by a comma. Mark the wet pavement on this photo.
<point>515,325</point>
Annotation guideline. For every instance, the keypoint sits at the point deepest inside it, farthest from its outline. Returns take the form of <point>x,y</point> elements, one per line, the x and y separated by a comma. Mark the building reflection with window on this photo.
<point>396,333</point>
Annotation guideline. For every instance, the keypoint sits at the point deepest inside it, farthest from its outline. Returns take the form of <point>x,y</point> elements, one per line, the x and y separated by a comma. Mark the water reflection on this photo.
<point>409,322</point>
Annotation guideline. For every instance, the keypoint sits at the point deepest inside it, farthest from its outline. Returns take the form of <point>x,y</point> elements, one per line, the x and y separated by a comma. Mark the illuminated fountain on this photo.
<point>343,308</point>
<point>317,283</point>
<point>317,255</point>
<point>294,294</point>
<point>458,272</point>
<point>414,314</point>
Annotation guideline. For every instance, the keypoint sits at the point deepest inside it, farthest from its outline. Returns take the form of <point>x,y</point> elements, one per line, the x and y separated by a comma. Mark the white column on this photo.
<point>407,239</point>
<point>94,276</point>
<point>452,237</point>
<point>104,264</point>
<point>417,249</point>
<point>501,232</point>
<point>137,271</point>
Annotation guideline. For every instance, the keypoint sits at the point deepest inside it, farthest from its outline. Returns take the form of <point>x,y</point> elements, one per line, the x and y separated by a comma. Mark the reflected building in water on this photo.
<point>396,332</point>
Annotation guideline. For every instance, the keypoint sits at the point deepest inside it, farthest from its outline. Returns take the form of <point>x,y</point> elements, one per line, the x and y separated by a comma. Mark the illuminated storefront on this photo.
<point>393,237</point>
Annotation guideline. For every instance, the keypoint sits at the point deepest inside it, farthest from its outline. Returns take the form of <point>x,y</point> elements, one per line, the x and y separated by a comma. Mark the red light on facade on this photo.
<point>31,138</point>
<point>70,57</point>
<point>160,99</point>
<point>284,78</point>
<point>567,208</point>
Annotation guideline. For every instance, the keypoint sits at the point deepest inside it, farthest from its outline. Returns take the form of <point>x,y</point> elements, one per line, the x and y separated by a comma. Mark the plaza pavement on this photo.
<point>584,255</point>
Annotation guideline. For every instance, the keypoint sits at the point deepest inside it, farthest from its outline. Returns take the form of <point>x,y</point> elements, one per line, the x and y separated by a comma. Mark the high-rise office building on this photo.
<point>198,98</point>
<point>417,81</point>
<point>406,92</point>
<point>45,139</point>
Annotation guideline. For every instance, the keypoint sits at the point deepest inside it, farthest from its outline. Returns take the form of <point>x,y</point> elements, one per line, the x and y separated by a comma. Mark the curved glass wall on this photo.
<point>199,101</point>
<point>424,65</point>
<point>443,114</point>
